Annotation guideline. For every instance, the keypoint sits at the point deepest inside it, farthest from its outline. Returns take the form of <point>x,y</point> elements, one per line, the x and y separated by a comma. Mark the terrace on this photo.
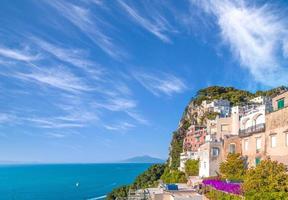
<point>251,130</point>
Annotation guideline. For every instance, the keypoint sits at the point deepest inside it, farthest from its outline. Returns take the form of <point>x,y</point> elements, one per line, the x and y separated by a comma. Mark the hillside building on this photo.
<point>277,130</point>
<point>220,106</point>
<point>210,157</point>
<point>195,137</point>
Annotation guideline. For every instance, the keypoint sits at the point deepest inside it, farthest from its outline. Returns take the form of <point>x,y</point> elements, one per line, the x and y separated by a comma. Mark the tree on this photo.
<point>233,95</point>
<point>233,168</point>
<point>269,180</point>
<point>176,149</point>
<point>192,167</point>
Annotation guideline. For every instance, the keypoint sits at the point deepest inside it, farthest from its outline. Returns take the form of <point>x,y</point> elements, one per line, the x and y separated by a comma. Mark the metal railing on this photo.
<point>252,129</point>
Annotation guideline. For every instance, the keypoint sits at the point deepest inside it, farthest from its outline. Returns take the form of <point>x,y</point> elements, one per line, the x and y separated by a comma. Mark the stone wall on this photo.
<point>231,140</point>
<point>251,153</point>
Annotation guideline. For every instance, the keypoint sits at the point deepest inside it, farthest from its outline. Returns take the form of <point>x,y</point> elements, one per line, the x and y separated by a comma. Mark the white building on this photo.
<point>220,106</point>
<point>210,157</point>
<point>262,100</point>
<point>188,155</point>
<point>253,120</point>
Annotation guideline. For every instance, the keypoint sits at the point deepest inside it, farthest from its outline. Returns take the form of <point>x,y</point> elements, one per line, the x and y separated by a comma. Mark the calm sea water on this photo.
<point>71,181</point>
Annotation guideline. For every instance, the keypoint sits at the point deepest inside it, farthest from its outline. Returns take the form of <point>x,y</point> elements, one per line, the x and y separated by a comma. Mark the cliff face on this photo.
<point>195,114</point>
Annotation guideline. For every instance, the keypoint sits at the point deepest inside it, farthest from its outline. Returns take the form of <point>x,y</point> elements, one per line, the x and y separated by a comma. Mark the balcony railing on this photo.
<point>252,129</point>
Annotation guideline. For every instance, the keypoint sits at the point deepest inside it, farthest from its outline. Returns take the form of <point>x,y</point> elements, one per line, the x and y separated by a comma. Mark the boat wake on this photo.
<point>95,198</point>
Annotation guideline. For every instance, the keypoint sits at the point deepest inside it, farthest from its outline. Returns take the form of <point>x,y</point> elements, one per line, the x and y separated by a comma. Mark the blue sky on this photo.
<point>98,81</point>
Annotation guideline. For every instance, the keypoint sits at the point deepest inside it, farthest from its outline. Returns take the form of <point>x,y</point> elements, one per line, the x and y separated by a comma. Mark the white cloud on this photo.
<point>58,78</point>
<point>154,22</point>
<point>69,55</point>
<point>56,135</point>
<point>52,123</point>
<point>121,126</point>
<point>5,118</point>
<point>16,54</point>
<point>117,104</point>
<point>160,83</point>
<point>138,117</point>
<point>257,37</point>
<point>84,20</point>
<point>73,56</point>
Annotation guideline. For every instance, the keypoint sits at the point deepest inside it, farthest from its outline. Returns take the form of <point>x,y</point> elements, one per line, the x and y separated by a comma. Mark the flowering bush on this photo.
<point>234,188</point>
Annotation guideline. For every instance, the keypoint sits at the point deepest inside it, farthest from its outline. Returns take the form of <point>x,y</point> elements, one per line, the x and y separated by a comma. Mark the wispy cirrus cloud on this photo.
<point>117,104</point>
<point>90,25</point>
<point>56,135</point>
<point>256,34</point>
<point>59,78</point>
<point>160,83</point>
<point>154,22</point>
<point>120,126</point>
<point>138,117</point>
<point>53,122</point>
<point>68,55</point>
<point>73,56</point>
<point>17,54</point>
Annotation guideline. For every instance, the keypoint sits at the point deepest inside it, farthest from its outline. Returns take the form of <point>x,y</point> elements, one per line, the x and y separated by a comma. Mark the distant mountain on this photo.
<point>143,159</point>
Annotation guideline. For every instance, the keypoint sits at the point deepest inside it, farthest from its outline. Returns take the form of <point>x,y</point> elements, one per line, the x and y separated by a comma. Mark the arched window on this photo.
<point>245,124</point>
<point>259,119</point>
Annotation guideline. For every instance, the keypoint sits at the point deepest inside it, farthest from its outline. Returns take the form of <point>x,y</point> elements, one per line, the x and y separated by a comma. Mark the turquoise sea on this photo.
<point>64,181</point>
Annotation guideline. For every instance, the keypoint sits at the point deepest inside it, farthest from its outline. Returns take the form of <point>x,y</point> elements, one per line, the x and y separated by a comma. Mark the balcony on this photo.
<point>252,129</point>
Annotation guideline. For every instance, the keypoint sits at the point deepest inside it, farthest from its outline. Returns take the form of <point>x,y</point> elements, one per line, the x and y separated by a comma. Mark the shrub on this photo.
<point>233,168</point>
<point>192,167</point>
<point>173,176</point>
<point>150,177</point>
<point>218,195</point>
<point>233,188</point>
<point>268,179</point>
<point>121,192</point>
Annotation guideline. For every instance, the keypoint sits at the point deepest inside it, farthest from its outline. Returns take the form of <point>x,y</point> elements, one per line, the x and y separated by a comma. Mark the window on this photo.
<point>224,127</point>
<point>232,148</point>
<point>280,103</point>
<point>258,143</point>
<point>273,141</point>
<point>246,145</point>
<point>215,151</point>
<point>257,161</point>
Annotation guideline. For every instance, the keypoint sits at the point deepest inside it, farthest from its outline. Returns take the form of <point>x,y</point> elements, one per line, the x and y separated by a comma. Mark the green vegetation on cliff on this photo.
<point>150,177</point>
<point>175,150</point>
<point>235,96</point>
<point>120,192</point>
<point>147,179</point>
